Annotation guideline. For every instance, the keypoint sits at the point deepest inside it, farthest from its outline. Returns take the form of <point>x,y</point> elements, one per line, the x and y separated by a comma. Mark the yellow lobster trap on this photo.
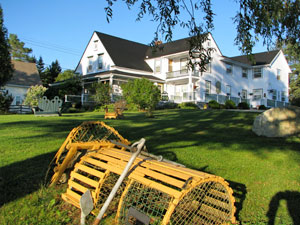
<point>154,191</point>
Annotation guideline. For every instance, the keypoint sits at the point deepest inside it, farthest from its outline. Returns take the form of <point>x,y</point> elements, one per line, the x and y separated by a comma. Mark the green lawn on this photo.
<point>263,172</point>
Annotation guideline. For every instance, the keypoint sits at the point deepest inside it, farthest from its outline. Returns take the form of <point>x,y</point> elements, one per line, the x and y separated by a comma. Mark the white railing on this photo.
<point>183,97</point>
<point>181,73</point>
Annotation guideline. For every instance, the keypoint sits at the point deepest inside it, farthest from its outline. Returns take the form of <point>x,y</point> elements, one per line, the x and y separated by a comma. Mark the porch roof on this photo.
<point>122,73</point>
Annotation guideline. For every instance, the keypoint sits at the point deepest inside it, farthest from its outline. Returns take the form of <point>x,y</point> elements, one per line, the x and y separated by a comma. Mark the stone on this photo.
<point>278,122</point>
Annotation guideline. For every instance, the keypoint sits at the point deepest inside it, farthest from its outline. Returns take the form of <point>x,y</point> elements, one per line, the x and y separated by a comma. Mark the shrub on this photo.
<point>229,104</point>
<point>166,105</point>
<point>262,107</point>
<point>212,104</point>
<point>243,105</point>
<point>102,93</point>
<point>188,105</point>
<point>143,93</point>
<point>34,93</point>
<point>5,101</point>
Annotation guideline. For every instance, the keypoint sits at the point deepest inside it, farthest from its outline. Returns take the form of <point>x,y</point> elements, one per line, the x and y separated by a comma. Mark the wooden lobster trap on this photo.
<point>154,192</point>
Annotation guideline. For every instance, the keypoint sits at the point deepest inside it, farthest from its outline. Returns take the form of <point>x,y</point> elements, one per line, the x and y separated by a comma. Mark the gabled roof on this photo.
<point>169,48</point>
<point>125,53</point>
<point>25,74</point>
<point>262,58</point>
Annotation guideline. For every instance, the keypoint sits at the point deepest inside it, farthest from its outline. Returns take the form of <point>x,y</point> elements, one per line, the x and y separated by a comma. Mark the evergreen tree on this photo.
<point>50,73</point>
<point>6,68</point>
<point>18,51</point>
<point>40,65</point>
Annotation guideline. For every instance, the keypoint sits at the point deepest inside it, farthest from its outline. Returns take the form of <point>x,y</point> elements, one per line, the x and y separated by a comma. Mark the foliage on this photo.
<point>40,65</point>
<point>229,104</point>
<point>5,101</point>
<point>143,93</point>
<point>50,73</point>
<point>6,71</point>
<point>166,105</point>
<point>262,107</point>
<point>34,93</point>
<point>19,51</point>
<point>212,104</point>
<point>68,87</point>
<point>66,75</point>
<point>266,19</point>
<point>101,93</point>
<point>188,105</point>
<point>243,105</point>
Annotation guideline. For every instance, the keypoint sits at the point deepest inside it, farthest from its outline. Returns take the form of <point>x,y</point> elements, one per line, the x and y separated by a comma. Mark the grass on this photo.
<point>263,172</point>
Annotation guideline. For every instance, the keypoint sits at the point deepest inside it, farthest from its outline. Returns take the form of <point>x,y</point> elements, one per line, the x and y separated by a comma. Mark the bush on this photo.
<point>34,93</point>
<point>102,93</point>
<point>243,105</point>
<point>229,104</point>
<point>212,104</point>
<point>5,101</point>
<point>188,105</point>
<point>262,107</point>
<point>166,105</point>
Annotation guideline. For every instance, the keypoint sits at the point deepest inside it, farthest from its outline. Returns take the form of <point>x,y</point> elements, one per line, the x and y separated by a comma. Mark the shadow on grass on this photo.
<point>22,178</point>
<point>292,199</point>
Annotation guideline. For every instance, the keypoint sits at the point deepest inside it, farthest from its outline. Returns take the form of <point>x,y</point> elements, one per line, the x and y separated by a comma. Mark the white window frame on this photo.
<point>207,86</point>
<point>274,94</point>
<point>244,73</point>
<point>278,74</point>
<point>218,89</point>
<point>96,45</point>
<point>208,67</point>
<point>229,68</point>
<point>283,96</point>
<point>228,90</point>
<point>90,64</point>
<point>256,72</point>
<point>157,65</point>
<point>257,92</point>
<point>183,64</point>
<point>244,94</point>
<point>18,100</point>
<point>100,64</point>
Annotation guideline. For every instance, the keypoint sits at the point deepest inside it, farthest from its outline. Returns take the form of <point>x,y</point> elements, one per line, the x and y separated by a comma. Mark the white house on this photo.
<point>24,76</point>
<point>115,60</point>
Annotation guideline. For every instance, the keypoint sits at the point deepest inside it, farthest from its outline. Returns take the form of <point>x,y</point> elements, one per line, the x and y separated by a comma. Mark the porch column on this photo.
<point>190,86</point>
<point>111,79</point>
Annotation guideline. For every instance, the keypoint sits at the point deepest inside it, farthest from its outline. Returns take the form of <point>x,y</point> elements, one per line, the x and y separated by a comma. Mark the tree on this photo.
<point>40,65</point>
<point>142,93</point>
<point>6,68</point>
<point>50,73</point>
<point>5,101</point>
<point>256,19</point>
<point>66,75</point>
<point>34,93</point>
<point>101,93</point>
<point>18,51</point>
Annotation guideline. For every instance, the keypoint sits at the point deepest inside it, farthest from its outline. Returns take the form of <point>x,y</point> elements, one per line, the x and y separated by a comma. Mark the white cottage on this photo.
<point>263,81</point>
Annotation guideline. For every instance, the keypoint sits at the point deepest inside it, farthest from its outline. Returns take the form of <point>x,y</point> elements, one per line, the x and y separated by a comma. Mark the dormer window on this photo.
<point>100,61</point>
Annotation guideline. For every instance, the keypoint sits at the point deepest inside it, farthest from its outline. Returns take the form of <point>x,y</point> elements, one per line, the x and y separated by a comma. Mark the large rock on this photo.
<point>278,122</point>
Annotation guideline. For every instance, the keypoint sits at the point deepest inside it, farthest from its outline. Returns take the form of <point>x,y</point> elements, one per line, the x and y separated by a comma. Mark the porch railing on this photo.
<point>223,98</point>
<point>181,73</point>
<point>185,97</point>
<point>274,103</point>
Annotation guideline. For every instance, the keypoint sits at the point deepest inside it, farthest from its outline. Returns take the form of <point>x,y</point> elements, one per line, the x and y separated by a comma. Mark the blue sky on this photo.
<point>61,29</point>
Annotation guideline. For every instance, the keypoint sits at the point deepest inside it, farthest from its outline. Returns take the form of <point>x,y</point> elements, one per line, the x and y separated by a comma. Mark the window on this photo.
<point>228,89</point>
<point>100,61</point>
<point>244,94</point>
<point>274,96</point>
<point>257,94</point>
<point>283,96</point>
<point>157,65</point>
<point>96,45</point>
<point>183,62</point>
<point>170,65</point>
<point>278,74</point>
<point>90,66</point>
<point>218,87</point>
<point>207,86</point>
<point>208,67</point>
<point>18,100</point>
<point>228,68</point>
<point>244,72</point>
<point>257,72</point>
